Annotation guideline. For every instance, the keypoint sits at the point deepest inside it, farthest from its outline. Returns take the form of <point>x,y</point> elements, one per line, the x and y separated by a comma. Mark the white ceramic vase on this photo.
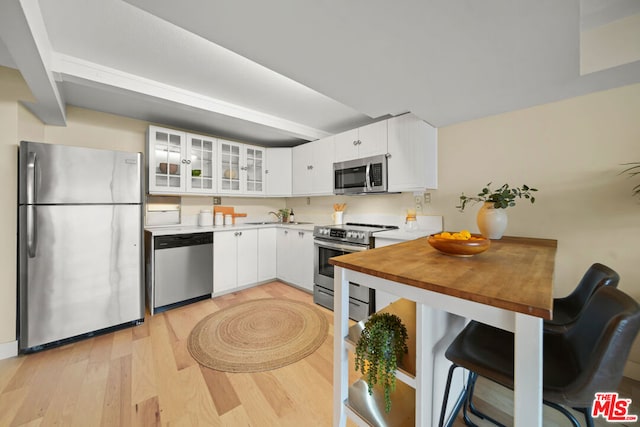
<point>491,221</point>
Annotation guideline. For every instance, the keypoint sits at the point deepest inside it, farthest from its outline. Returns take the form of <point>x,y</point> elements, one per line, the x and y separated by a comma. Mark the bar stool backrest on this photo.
<point>601,339</point>
<point>567,309</point>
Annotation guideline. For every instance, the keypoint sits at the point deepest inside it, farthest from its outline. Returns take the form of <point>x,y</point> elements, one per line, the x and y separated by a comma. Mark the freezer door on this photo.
<point>58,174</point>
<point>80,270</point>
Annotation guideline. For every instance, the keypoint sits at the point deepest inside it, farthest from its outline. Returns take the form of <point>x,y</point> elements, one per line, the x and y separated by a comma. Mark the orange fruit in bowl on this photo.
<point>462,243</point>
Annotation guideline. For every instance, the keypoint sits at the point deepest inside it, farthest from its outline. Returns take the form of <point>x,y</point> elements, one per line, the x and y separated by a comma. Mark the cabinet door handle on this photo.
<point>310,167</point>
<point>355,142</point>
<point>184,161</point>
<point>286,231</point>
<point>301,233</point>
<point>188,162</point>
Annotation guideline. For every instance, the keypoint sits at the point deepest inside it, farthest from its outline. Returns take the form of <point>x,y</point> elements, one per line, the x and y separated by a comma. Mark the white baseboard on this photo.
<point>8,349</point>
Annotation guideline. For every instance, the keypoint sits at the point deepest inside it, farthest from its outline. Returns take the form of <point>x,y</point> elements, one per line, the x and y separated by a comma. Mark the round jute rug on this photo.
<point>258,335</point>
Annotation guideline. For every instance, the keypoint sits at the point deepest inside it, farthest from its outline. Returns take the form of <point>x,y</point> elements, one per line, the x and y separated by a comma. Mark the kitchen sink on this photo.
<point>263,222</point>
<point>276,222</point>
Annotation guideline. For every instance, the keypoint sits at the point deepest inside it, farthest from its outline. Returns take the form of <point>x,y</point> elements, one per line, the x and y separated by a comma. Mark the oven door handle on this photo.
<point>339,246</point>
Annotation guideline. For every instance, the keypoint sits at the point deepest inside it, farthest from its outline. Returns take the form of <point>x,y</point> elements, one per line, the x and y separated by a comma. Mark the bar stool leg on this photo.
<point>446,396</point>
<point>473,377</point>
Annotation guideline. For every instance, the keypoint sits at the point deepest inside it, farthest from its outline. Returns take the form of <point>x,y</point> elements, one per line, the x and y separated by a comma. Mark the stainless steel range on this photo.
<point>335,240</point>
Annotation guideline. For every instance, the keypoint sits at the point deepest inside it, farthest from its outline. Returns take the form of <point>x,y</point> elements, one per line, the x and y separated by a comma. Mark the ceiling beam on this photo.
<point>23,31</point>
<point>72,69</point>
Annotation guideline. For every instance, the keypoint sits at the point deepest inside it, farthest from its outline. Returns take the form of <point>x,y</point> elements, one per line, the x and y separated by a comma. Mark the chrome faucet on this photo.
<point>277,215</point>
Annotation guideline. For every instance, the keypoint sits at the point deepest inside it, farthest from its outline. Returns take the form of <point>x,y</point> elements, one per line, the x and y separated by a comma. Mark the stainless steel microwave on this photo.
<point>360,176</point>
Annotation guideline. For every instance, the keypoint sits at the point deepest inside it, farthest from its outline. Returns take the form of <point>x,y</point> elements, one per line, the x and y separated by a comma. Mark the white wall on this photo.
<point>12,87</point>
<point>572,152</point>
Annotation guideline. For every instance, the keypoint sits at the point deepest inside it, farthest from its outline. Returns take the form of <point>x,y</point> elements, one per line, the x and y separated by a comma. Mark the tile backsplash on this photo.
<point>387,209</point>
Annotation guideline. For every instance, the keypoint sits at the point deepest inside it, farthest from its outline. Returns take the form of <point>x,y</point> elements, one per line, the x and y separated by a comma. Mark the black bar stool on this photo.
<point>586,358</point>
<point>567,309</point>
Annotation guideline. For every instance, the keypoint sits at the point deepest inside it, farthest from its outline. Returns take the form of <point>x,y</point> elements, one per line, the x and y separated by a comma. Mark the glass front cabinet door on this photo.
<point>180,163</point>
<point>241,168</point>
<point>229,170</point>
<point>166,152</point>
<point>254,163</point>
<point>201,152</point>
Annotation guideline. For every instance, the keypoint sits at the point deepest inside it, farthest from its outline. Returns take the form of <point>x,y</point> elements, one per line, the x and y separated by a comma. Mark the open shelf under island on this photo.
<point>510,286</point>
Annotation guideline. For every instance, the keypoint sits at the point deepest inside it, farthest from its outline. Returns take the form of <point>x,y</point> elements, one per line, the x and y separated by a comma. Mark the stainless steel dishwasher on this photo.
<point>183,269</point>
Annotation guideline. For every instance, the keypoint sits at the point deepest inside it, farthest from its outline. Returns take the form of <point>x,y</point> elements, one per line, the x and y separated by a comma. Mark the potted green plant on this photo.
<point>492,218</point>
<point>501,198</point>
<point>379,350</point>
<point>633,170</point>
<point>283,214</point>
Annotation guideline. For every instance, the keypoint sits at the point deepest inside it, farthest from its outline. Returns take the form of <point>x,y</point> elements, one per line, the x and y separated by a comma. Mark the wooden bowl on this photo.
<point>173,168</point>
<point>461,248</point>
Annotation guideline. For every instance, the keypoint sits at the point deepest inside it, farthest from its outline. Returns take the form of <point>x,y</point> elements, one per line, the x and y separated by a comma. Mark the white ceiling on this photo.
<point>279,73</point>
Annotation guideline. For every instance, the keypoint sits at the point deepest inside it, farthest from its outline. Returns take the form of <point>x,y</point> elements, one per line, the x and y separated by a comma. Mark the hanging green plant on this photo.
<point>379,350</point>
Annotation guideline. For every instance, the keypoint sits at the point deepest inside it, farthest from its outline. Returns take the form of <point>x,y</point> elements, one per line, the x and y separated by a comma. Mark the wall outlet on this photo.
<point>418,200</point>
<point>217,200</point>
<point>427,197</point>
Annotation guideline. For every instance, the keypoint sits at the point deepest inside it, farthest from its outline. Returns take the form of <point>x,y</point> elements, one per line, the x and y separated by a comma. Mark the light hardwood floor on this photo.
<point>145,376</point>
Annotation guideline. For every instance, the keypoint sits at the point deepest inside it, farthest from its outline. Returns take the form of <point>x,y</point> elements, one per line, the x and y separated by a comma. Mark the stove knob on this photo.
<point>350,234</point>
<point>361,236</point>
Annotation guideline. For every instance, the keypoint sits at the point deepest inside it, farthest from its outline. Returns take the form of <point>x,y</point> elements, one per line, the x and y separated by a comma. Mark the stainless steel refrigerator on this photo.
<point>80,247</point>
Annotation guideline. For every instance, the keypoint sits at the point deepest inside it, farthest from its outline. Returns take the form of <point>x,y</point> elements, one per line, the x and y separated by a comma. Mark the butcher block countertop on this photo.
<point>515,273</point>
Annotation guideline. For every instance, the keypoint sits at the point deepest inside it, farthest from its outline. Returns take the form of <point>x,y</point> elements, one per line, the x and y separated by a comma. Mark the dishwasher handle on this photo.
<point>182,240</point>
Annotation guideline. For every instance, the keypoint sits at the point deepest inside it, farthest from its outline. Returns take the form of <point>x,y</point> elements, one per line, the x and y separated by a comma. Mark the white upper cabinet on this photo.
<point>229,166</point>
<point>278,172</point>
<point>362,142</point>
<point>241,168</point>
<point>301,171</point>
<point>413,154</point>
<point>253,169</point>
<point>180,163</point>
<point>312,168</point>
<point>201,152</point>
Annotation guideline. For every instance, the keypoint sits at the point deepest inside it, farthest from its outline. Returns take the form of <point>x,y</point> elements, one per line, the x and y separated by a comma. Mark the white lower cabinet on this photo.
<point>295,257</point>
<point>267,254</point>
<point>235,259</point>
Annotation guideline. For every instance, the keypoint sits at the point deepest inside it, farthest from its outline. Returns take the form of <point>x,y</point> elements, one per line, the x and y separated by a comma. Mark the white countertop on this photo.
<point>401,234</point>
<point>165,230</point>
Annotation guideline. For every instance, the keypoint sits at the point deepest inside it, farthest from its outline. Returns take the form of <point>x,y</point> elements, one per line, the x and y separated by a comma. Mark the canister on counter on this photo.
<point>228,219</point>
<point>219,218</point>
<point>205,218</point>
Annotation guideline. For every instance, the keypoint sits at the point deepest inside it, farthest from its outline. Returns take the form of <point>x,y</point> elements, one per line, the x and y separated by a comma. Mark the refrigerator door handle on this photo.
<point>31,178</point>
<point>32,241</point>
<point>32,161</point>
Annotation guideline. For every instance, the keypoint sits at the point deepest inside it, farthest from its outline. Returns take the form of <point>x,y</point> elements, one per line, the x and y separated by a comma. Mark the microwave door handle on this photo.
<point>368,176</point>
